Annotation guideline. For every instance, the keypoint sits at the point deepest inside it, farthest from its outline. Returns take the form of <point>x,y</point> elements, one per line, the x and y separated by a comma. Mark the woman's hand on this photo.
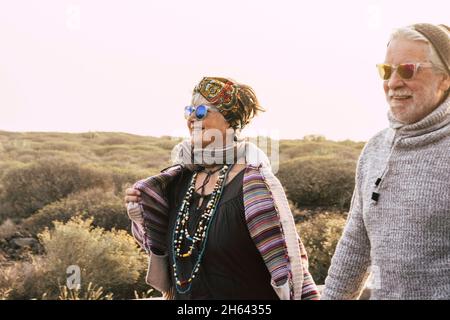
<point>134,210</point>
<point>132,195</point>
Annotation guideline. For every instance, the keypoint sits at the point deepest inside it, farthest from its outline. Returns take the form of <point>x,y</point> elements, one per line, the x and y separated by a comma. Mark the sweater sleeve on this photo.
<point>349,265</point>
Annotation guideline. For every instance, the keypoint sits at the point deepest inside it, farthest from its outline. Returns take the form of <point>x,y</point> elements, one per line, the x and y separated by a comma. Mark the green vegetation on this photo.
<point>324,181</point>
<point>109,259</point>
<point>320,235</point>
<point>106,209</point>
<point>79,180</point>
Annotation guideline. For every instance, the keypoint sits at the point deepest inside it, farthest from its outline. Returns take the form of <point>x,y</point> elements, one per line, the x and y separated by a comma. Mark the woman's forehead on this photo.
<point>198,99</point>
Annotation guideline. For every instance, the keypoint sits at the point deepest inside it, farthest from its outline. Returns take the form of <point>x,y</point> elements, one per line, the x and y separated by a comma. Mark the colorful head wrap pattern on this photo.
<point>236,102</point>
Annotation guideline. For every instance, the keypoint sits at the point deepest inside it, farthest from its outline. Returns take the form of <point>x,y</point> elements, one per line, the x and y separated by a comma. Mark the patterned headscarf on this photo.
<point>236,102</point>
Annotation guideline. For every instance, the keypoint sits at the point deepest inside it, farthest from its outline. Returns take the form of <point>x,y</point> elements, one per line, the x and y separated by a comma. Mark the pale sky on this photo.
<point>130,66</point>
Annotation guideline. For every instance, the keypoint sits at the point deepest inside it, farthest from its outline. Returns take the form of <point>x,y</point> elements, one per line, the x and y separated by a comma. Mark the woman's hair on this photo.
<point>408,33</point>
<point>237,102</point>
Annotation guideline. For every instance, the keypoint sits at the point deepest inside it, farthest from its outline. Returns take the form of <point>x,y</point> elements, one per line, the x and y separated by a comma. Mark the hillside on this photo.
<point>79,180</point>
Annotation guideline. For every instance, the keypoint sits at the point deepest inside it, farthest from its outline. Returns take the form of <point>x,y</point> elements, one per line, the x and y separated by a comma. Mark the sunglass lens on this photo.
<point>201,112</point>
<point>406,70</point>
<point>188,111</point>
<point>384,70</point>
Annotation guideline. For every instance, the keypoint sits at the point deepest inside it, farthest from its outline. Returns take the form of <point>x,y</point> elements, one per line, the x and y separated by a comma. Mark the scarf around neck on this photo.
<point>242,152</point>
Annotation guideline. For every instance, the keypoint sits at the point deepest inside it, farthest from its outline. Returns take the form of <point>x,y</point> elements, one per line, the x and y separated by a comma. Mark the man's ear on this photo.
<point>445,83</point>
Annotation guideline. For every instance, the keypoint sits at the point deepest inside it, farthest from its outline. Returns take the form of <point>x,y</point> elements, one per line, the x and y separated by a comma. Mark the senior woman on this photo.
<point>217,224</point>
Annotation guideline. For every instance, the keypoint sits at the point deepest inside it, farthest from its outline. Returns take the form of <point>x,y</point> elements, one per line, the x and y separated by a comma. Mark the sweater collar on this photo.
<point>432,122</point>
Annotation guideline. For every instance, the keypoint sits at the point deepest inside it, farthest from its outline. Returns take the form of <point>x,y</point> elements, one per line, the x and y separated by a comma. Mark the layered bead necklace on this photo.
<point>181,236</point>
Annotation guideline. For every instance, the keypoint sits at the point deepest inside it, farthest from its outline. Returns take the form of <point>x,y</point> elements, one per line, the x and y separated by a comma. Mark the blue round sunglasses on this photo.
<point>200,111</point>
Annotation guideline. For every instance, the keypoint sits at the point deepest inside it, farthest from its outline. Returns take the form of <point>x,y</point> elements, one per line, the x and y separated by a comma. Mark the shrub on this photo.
<point>168,143</point>
<point>109,261</point>
<point>320,235</point>
<point>5,283</point>
<point>308,148</point>
<point>106,209</point>
<point>123,179</point>
<point>4,294</point>
<point>89,135</point>
<point>28,189</point>
<point>24,279</point>
<point>103,151</point>
<point>314,137</point>
<point>7,229</point>
<point>61,146</point>
<point>90,293</point>
<point>113,140</point>
<point>318,181</point>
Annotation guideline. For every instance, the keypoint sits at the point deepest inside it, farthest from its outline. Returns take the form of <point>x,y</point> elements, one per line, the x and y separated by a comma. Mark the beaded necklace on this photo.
<point>181,234</point>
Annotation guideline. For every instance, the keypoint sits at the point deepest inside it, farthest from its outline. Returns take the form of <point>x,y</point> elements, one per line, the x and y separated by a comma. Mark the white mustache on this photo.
<point>399,93</point>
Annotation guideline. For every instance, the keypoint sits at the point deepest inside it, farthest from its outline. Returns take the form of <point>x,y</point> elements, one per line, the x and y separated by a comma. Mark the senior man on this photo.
<point>399,221</point>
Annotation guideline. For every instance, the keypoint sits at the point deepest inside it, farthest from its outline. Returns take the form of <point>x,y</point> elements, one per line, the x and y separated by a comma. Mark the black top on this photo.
<point>232,267</point>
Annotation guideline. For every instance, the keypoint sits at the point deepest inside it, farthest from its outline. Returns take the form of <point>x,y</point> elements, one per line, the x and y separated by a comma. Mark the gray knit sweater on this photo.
<point>399,228</point>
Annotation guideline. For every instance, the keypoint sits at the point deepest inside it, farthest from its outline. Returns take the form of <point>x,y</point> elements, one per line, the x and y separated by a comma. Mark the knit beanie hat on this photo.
<point>438,35</point>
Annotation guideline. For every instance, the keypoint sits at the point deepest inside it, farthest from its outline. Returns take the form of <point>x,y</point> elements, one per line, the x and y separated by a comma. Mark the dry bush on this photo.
<point>297,149</point>
<point>7,229</point>
<point>318,181</point>
<point>28,189</point>
<point>92,292</point>
<point>108,260</point>
<point>113,140</point>
<point>124,178</point>
<point>106,209</point>
<point>24,279</point>
<point>320,234</point>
